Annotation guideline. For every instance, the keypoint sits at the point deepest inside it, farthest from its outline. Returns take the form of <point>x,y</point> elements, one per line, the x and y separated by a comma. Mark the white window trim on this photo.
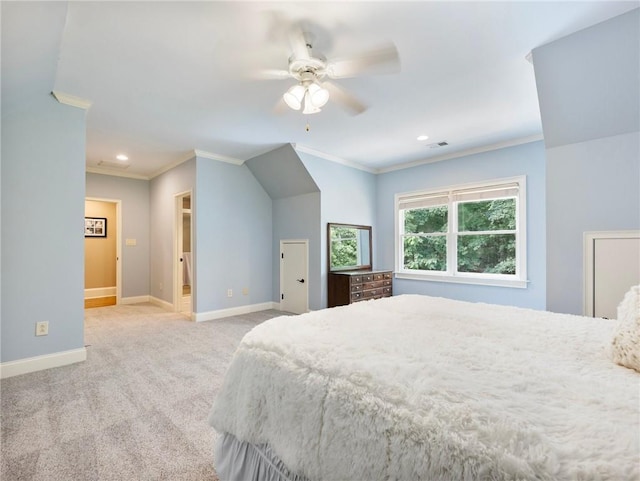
<point>452,276</point>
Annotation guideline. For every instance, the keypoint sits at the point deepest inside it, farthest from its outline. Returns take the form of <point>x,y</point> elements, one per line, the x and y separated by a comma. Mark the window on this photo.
<point>473,233</point>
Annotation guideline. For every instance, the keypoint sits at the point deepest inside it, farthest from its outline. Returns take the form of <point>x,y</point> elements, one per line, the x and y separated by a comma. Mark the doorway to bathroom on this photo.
<point>183,265</point>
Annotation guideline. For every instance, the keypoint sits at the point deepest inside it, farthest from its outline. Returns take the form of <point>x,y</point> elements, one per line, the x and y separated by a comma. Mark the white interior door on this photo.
<point>612,266</point>
<point>294,281</point>
<point>616,269</point>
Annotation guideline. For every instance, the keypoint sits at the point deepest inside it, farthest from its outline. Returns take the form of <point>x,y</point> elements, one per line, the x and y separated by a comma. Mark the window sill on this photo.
<point>482,281</point>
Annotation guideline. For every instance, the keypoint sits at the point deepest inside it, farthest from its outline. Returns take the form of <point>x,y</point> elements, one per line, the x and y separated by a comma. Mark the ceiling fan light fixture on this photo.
<point>309,107</point>
<point>318,95</point>
<point>294,96</point>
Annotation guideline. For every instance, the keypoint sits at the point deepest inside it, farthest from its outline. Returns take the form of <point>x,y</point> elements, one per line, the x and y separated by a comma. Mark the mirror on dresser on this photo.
<point>349,247</point>
<point>351,277</point>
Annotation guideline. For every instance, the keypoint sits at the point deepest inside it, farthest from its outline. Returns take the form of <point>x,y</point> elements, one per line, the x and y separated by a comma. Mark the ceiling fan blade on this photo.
<point>271,74</point>
<point>298,42</point>
<point>281,28</point>
<point>384,59</point>
<point>344,99</point>
<point>280,108</point>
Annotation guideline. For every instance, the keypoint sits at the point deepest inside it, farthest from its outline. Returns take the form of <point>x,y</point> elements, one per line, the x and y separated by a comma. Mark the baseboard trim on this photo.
<point>134,300</point>
<point>233,311</point>
<point>40,363</point>
<point>100,292</point>
<point>161,303</point>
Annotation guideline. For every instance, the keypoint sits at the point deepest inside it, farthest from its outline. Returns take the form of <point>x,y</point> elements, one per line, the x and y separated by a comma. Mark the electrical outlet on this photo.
<point>245,291</point>
<point>42,328</point>
<point>229,292</point>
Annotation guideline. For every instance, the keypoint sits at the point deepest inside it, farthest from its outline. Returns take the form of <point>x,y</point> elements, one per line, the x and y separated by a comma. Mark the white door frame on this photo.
<point>177,251</point>
<point>306,267</point>
<point>118,203</point>
<point>588,261</point>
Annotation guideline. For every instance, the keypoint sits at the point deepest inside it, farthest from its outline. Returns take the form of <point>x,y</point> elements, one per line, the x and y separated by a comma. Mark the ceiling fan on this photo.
<point>314,73</point>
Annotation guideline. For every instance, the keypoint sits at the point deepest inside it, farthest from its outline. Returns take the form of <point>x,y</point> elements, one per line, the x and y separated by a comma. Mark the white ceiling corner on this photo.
<point>221,158</point>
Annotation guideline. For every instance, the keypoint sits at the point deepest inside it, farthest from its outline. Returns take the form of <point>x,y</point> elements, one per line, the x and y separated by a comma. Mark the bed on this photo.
<point>415,387</point>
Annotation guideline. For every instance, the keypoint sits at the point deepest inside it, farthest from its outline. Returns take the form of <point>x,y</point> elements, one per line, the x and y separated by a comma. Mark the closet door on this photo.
<point>616,267</point>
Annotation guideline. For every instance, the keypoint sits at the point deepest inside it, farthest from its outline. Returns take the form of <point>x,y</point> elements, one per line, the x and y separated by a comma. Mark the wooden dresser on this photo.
<point>352,286</point>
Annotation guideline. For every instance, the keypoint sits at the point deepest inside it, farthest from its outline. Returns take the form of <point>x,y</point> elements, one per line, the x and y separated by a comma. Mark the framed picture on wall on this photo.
<point>95,227</point>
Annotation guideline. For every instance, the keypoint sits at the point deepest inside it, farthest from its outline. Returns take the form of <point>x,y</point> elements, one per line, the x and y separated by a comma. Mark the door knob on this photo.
<point>301,281</point>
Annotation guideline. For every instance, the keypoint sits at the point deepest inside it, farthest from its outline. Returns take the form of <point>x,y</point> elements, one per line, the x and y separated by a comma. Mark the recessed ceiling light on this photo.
<point>423,137</point>
<point>122,157</point>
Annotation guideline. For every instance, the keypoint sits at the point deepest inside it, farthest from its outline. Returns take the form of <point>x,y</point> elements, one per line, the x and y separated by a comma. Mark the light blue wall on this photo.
<point>590,110</point>
<point>591,186</point>
<point>233,239</point>
<point>296,211</point>
<point>348,196</point>
<point>298,217</point>
<point>527,159</point>
<point>134,197</point>
<point>162,192</point>
<point>43,152</point>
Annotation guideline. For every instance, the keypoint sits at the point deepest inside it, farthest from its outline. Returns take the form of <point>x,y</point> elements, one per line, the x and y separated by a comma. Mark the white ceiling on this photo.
<point>168,78</point>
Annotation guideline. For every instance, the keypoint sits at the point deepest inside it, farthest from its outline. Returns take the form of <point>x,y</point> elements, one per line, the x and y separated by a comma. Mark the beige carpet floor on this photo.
<point>135,410</point>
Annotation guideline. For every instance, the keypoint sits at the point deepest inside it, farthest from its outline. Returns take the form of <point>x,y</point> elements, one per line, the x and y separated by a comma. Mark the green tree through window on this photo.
<point>480,249</point>
<point>344,247</point>
<point>425,241</point>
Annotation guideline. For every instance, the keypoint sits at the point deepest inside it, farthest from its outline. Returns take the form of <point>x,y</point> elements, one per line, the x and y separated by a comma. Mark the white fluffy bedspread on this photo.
<point>415,387</point>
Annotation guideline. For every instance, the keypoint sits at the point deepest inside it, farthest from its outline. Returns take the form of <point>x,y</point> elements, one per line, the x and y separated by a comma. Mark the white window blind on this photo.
<point>488,192</point>
<point>421,201</point>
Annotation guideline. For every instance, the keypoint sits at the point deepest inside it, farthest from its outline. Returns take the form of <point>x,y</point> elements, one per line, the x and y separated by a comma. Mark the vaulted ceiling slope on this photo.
<point>282,174</point>
<point>167,78</point>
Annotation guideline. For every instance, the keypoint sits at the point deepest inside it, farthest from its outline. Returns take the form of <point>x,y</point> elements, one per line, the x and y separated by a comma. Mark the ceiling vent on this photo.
<point>113,165</point>
<point>437,145</point>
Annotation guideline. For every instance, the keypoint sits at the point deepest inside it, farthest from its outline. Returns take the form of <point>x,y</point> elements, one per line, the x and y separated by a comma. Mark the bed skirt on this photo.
<point>237,460</point>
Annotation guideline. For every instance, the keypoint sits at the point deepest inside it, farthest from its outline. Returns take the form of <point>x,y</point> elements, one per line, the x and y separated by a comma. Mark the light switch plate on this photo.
<point>130,242</point>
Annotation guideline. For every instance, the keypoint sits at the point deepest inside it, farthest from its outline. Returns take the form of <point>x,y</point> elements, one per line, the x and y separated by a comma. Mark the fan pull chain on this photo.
<point>308,127</point>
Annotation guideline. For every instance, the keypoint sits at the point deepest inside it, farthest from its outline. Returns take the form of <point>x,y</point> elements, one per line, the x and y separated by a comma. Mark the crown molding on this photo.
<point>463,153</point>
<point>115,173</point>
<point>222,158</point>
<point>197,153</point>
<point>333,158</point>
<point>71,100</point>
<point>173,165</point>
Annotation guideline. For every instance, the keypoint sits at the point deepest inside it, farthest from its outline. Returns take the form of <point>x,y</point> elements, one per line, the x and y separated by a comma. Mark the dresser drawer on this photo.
<point>367,278</point>
<point>378,277</point>
<point>356,280</point>
<point>387,275</point>
<point>371,293</point>
<point>386,282</point>
<point>356,296</point>
<point>372,285</point>
<point>386,291</point>
<point>356,288</point>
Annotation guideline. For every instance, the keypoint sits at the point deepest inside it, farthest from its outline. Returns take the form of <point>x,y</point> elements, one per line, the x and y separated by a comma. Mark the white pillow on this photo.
<point>625,349</point>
